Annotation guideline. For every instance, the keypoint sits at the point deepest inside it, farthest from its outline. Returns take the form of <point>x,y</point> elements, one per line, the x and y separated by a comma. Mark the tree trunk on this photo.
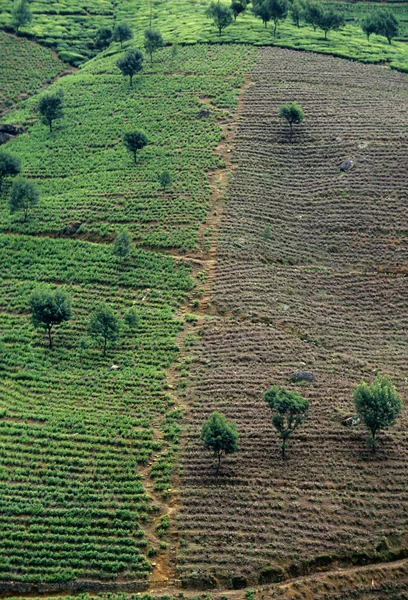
<point>50,125</point>
<point>134,155</point>
<point>274,31</point>
<point>283,449</point>
<point>325,35</point>
<point>218,464</point>
<point>25,214</point>
<point>49,337</point>
<point>105,341</point>
<point>131,80</point>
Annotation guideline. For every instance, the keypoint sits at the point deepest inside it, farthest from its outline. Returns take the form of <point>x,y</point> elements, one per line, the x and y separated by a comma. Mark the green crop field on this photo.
<point>24,67</point>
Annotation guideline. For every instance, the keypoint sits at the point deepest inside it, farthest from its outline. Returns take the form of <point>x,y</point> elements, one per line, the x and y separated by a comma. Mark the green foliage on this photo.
<point>134,141</point>
<point>293,113</point>
<point>278,10</point>
<point>378,405</point>
<point>122,33</point>
<point>50,107</point>
<point>24,196</point>
<point>289,411</point>
<point>104,326</point>
<point>153,41</point>
<point>10,165</point>
<point>123,243</point>
<point>21,15</point>
<point>329,20</point>
<point>132,319</point>
<point>165,180</point>
<point>49,309</point>
<point>386,24</point>
<point>221,15</point>
<point>261,9</point>
<point>313,13</point>
<point>130,64</point>
<point>296,12</point>
<point>220,436</point>
<point>238,7</point>
<point>103,37</point>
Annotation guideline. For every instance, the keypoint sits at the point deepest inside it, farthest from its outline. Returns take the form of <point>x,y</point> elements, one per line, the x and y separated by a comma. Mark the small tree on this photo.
<point>377,405</point>
<point>10,165</point>
<point>122,33</point>
<point>220,436</point>
<point>50,107</point>
<point>153,41</point>
<point>279,11</point>
<point>123,244</point>
<point>104,326</point>
<point>103,38</point>
<point>262,10</point>
<point>312,14</point>
<point>132,319</point>
<point>329,20</point>
<point>134,141</point>
<point>220,14</point>
<point>238,7</point>
<point>130,64</point>
<point>296,12</point>
<point>289,411</point>
<point>387,24</point>
<point>24,196</point>
<point>49,309</point>
<point>165,180</point>
<point>20,15</point>
<point>293,114</point>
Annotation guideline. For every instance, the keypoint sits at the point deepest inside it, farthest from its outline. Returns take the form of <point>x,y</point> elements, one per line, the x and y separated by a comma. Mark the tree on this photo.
<point>377,405</point>
<point>50,107</point>
<point>220,436</point>
<point>293,114</point>
<point>261,9</point>
<point>132,319</point>
<point>165,180</point>
<point>387,24</point>
<point>49,309</point>
<point>9,165</point>
<point>103,37</point>
<point>289,411</point>
<point>122,33</point>
<point>104,326</point>
<point>130,64</point>
<point>312,14</point>
<point>153,41</point>
<point>24,196</point>
<point>296,12</point>
<point>20,15</point>
<point>279,11</point>
<point>238,7</point>
<point>328,20</point>
<point>134,141</point>
<point>123,243</point>
<point>220,14</point>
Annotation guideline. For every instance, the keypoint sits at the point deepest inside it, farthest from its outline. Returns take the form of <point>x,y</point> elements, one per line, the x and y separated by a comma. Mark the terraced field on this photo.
<point>323,289</point>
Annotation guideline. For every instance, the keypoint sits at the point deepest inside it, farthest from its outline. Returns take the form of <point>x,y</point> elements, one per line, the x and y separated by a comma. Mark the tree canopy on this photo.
<point>130,64</point>
<point>50,107</point>
<point>49,309</point>
<point>377,405</point>
<point>220,436</point>
<point>104,326</point>
<point>238,7</point>
<point>165,180</point>
<point>123,243</point>
<point>24,196</point>
<point>289,411</point>
<point>10,165</point>
<point>103,37</point>
<point>221,15</point>
<point>292,113</point>
<point>122,33</point>
<point>153,41</point>
<point>21,15</point>
<point>134,141</point>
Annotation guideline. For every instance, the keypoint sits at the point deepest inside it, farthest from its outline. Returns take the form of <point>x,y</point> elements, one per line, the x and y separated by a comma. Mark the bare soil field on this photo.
<point>311,274</point>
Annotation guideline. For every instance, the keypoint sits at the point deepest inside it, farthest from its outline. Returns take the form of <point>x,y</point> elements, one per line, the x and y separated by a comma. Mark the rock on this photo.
<point>114,367</point>
<point>302,376</point>
<point>10,129</point>
<point>71,229</point>
<point>346,165</point>
<point>204,113</point>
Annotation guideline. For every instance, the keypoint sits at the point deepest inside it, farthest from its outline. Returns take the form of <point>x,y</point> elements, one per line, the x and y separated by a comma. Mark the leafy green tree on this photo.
<point>329,20</point>
<point>153,41</point>
<point>130,64</point>
<point>261,9</point>
<point>122,33</point>
<point>103,38</point>
<point>104,326</point>
<point>24,196</point>
<point>293,113</point>
<point>10,165</point>
<point>312,14</point>
<point>289,411</point>
<point>49,309</point>
<point>220,14</point>
<point>220,436</point>
<point>132,319</point>
<point>134,141</point>
<point>296,12</point>
<point>238,7</point>
<point>21,15</point>
<point>165,180</point>
<point>279,11</point>
<point>377,405</point>
<point>50,107</point>
<point>387,24</point>
<point>123,243</point>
